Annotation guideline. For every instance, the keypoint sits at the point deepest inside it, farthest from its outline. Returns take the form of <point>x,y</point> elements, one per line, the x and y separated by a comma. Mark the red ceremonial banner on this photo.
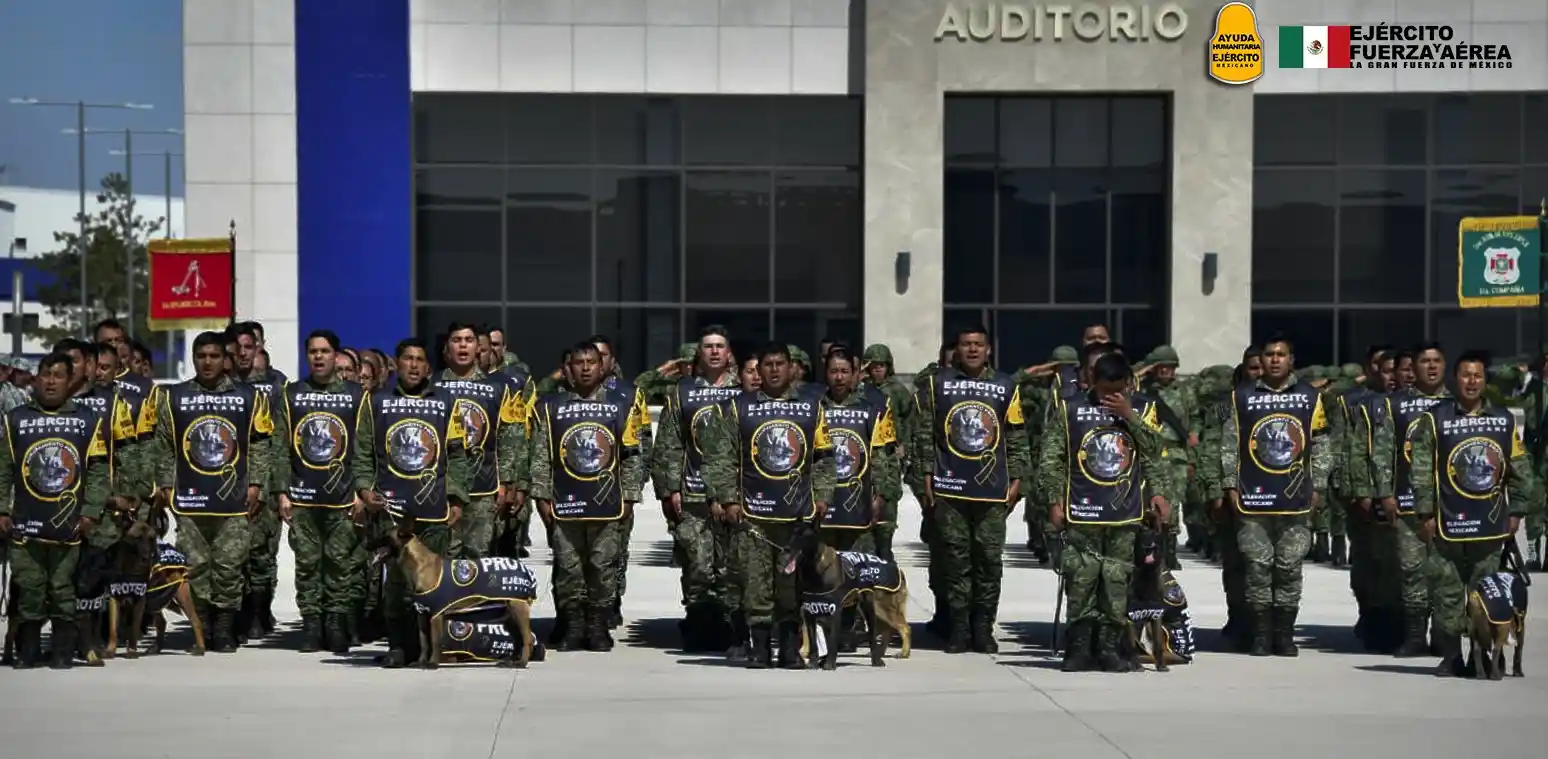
<point>191,283</point>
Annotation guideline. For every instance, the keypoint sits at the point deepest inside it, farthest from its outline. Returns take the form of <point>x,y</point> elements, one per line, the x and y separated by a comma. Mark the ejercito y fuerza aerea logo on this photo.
<point>1420,46</point>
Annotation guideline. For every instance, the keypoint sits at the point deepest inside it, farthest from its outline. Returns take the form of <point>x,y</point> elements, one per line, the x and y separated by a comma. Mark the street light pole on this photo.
<point>128,156</point>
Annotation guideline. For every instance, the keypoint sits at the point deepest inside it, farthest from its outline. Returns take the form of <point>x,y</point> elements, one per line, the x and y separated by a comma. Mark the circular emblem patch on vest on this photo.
<point>1476,467</point>
<point>474,421</point>
<point>1106,455</point>
<point>210,444</point>
<point>464,572</point>
<point>972,428</point>
<point>1277,442</point>
<point>587,450</point>
<point>693,425</point>
<point>849,454</point>
<point>412,446</point>
<point>320,438</point>
<point>51,467</point>
<point>459,630</point>
<point>778,448</point>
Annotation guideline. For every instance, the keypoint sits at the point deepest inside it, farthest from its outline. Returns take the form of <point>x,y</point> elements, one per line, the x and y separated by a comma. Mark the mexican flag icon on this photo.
<point>1314,47</point>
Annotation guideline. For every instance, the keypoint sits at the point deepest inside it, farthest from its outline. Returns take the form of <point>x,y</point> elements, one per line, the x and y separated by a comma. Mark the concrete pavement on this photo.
<point>646,699</point>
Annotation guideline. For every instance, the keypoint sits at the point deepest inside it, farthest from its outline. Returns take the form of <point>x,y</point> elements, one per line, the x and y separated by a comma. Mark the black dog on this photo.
<point>829,581</point>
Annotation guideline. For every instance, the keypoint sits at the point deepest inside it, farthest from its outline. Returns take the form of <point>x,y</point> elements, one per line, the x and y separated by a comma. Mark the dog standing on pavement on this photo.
<point>1496,613</point>
<point>830,581</point>
<point>150,578</point>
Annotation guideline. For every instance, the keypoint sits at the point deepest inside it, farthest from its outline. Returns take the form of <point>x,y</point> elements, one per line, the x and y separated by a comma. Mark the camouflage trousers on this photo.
<point>218,557</point>
<point>626,533</point>
<point>43,577</point>
<point>768,595</point>
<point>1454,568</point>
<point>1272,549</point>
<point>1098,568</point>
<point>1195,511</point>
<point>473,535</point>
<point>263,549</point>
<point>328,578</point>
<point>1363,569</point>
<point>1330,518</point>
<point>510,528</point>
<point>586,565</point>
<point>859,541</point>
<point>1233,566</point>
<point>397,601</point>
<point>973,538</point>
<point>1179,471</point>
<point>929,534</point>
<point>730,566</point>
<point>883,530</point>
<point>1536,521</point>
<point>695,544</point>
<point>1402,561</point>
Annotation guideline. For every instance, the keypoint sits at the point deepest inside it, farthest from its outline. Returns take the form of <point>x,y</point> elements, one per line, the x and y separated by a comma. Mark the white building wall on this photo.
<point>42,212</point>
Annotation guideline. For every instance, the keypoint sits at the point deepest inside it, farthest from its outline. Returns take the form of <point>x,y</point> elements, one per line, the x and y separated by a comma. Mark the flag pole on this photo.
<point>233,273</point>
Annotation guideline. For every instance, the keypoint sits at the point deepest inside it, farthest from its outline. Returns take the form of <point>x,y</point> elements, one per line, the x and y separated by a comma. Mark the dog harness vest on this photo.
<point>853,431</point>
<point>1172,610</point>
<point>862,573</point>
<point>1274,434</point>
<point>691,398</point>
<point>587,442</point>
<point>1472,452</point>
<point>488,581</point>
<point>410,437</point>
<point>1408,408</point>
<point>482,407</point>
<point>166,575</point>
<point>1503,596</point>
<point>213,433</point>
<point>778,437</point>
<point>49,455</point>
<point>479,635</point>
<point>971,420</point>
<point>322,442</point>
<point>1105,479</point>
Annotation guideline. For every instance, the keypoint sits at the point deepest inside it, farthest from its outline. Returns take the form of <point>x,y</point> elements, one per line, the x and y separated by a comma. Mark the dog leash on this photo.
<point>759,536</point>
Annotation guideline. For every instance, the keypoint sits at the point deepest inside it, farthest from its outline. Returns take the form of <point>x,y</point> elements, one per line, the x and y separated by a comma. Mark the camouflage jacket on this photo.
<point>1368,446</point>
<point>1179,397</point>
<point>902,401</point>
<point>1053,464</point>
<point>511,454</point>
<point>95,489</point>
<point>632,478</point>
<point>671,444</point>
<point>1321,451</point>
<point>721,442</point>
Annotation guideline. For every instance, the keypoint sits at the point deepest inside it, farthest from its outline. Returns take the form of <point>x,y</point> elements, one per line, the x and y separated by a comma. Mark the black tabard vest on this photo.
<point>863,573</point>
<point>1105,479</point>
<point>49,452</point>
<point>850,430</point>
<point>410,440</point>
<point>104,401</point>
<point>1274,433</point>
<point>488,581</point>
<point>213,433</point>
<point>587,445</point>
<point>970,428</point>
<point>271,382</point>
<point>1408,409</point>
<point>688,400</point>
<point>1503,596</point>
<point>1472,453</point>
<point>778,438</point>
<point>136,391</point>
<point>477,407</point>
<point>480,635</point>
<point>322,443</point>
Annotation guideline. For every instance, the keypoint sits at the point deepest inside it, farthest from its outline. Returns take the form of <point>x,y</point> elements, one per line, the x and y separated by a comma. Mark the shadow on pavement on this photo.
<point>1428,670</point>
<point>1035,638</point>
<point>657,554</point>
<point>1333,639</point>
<point>659,633</point>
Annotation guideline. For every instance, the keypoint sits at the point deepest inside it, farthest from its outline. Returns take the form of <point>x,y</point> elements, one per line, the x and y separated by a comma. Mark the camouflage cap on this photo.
<point>5,361</point>
<point>688,351</point>
<point>1311,373</point>
<point>1352,371</point>
<point>25,365</point>
<point>1164,355</point>
<point>877,353</point>
<point>1065,354</point>
<point>797,355</point>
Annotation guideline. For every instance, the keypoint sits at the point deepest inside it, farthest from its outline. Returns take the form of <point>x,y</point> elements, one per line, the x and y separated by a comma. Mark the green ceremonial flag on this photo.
<point>1499,262</point>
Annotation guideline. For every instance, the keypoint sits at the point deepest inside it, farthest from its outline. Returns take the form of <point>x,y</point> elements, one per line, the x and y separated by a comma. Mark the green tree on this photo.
<point>116,236</point>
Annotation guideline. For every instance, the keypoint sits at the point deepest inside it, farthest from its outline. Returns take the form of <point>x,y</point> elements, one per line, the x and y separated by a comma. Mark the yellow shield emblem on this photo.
<point>1236,48</point>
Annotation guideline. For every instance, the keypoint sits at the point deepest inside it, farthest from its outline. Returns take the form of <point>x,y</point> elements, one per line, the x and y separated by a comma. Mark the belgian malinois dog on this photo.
<point>1496,613</point>
<point>828,582</point>
<point>149,579</point>
<point>1147,637</point>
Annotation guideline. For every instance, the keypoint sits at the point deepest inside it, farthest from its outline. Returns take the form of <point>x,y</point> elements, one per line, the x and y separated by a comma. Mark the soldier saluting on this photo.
<point>588,468</point>
<point>53,482</point>
<point>1472,485</point>
<point>213,461</point>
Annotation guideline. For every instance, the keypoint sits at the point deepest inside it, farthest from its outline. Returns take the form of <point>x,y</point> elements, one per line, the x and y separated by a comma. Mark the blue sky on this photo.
<point>107,51</point>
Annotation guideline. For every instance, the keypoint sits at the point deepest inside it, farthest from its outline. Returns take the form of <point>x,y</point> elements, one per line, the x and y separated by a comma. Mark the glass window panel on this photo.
<point>728,237</point>
<point>1080,132</point>
<point>458,128</point>
<point>807,328</point>
<point>1080,237</point>
<point>969,236</point>
<point>540,335</point>
<point>1140,239</point>
<point>816,131</point>
<point>455,253</point>
<point>749,328</point>
<point>728,130</point>
<point>642,338</point>
<point>1292,236</point>
<point>1477,129</point>
<point>1310,330</point>
<point>818,221</point>
<point>548,128</point>
<point>1026,131</point>
<point>1140,330</point>
<point>1139,131</point>
<point>1535,117</point>
<point>1382,130</point>
<point>1361,330</point>
<point>633,130</point>
<point>639,225</point>
<point>430,323</point>
<point>969,130</point>
<point>1026,240</point>
<point>547,235</point>
<point>459,187</point>
<point>1534,189</point>
<point>1457,193</point>
<point>1292,130</point>
<point>1381,236</point>
<point>1475,329</point>
<point>1024,338</point>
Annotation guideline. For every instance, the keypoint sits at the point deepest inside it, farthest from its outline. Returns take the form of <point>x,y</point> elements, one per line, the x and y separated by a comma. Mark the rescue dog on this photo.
<point>451,588</point>
<point>1157,607</point>
<point>149,578</point>
<point>93,575</point>
<point>829,581</point>
<point>1496,612</point>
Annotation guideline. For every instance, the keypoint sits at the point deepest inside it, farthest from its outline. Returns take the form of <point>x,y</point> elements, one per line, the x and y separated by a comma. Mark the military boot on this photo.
<point>790,645</point>
<point>1451,655</point>
<point>1319,550</point>
<point>1284,632</point>
<point>759,655</point>
<point>1416,623</point>
<point>1172,562</point>
<point>598,638</point>
<point>689,629</point>
<point>311,633</point>
<point>983,633</point>
<point>1109,658</point>
<point>29,645</point>
<point>739,637</point>
<point>573,637</point>
<point>241,620</point>
<point>266,611</point>
<point>1207,549</point>
<point>336,633</point>
<point>1262,633</point>
<point>960,638</point>
<point>1077,648</point>
<point>557,633</point>
<point>1340,555</point>
<point>225,619</point>
<point>63,643</point>
<point>397,656</point>
<point>615,617</point>
<point>256,613</point>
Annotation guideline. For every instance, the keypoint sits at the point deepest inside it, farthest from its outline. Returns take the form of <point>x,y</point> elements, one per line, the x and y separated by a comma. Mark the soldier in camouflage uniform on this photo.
<point>658,383</point>
<point>1329,522</point>
<point>879,375</point>
<point>513,520</point>
<point>1367,436</point>
<point>1038,390</point>
<point>938,624</point>
<point>1181,438</point>
<point>11,396</point>
<point>263,553</point>
<point>1212,387</point>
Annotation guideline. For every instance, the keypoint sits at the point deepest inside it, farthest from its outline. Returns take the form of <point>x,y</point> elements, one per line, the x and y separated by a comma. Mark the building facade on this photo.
<point>872,171</point>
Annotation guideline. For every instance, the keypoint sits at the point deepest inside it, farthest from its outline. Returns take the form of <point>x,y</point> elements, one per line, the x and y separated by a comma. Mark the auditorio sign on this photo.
<point>1088,22</point>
